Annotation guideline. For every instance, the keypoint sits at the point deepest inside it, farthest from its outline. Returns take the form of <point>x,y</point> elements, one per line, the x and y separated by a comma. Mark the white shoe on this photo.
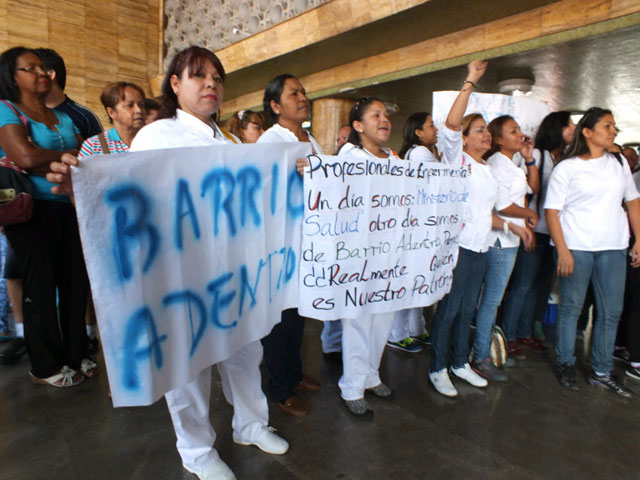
<point>466,373</point>
<point>214,470</point>
<point>267,442</point>
<point>442,383</point>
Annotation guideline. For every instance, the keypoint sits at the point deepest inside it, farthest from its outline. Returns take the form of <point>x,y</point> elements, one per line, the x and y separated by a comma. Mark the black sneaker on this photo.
<point>486,369</point>
<point>621,355</point>
<point>567,376</point>
<point>610,382</point>
<point>632,372</point>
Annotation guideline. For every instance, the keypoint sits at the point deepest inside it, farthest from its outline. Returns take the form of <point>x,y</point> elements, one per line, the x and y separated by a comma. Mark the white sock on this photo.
<point>19,329</point>
<point>635,364</point>
<point>91,331</point>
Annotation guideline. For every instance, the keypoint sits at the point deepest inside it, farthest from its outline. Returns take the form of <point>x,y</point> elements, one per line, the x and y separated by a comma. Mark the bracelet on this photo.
<point>530,164</point>
<point>505,227</point>
<point>469,81</point>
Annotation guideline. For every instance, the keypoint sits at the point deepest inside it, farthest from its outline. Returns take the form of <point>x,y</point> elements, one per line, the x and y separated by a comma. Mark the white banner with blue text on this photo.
<point>378,235</point>
<point>192,253</point>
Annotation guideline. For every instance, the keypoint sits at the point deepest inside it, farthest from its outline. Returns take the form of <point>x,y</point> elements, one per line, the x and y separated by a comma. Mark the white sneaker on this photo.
<point>442,383</point>
<point>268,442</point>
<point>466,373</point>
<point>214,470</point>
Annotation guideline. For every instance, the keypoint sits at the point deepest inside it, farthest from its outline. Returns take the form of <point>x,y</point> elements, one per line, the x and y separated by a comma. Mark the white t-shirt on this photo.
<point>351,149</point>
<point>420,153</point>
<point>538,155</point>
<point>452,149</point>
<point>184,130</point>
<point>512,188</point>
<point>588,195</point>
<point>277,133</point>
<point>483,193</point>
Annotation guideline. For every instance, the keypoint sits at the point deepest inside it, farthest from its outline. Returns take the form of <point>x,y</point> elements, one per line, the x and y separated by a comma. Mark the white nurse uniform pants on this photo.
<point>363,342</point>
<point>189,406</point>
<point>408,323</point>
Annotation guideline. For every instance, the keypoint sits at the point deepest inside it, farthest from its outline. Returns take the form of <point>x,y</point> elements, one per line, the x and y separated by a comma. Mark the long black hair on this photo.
<point>193,59</point>
<point>409,137</point>
<point>273,91</point>
<point>578,145</point>
<point>9,89</point>
<point>356,115</point>
<point>549,135</point>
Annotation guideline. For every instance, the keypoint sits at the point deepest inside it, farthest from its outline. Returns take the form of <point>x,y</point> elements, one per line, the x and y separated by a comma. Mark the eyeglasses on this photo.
<point>34,69</point>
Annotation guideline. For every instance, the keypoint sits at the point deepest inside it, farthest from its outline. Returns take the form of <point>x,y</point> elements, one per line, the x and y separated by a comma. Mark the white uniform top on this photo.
<point>278,133</point>
<point>420,153</point>
<point>512,188</point>
<point>588,195</point>
<point>483,193</point>
<point>184,130</point>
<point>538,155</point>
<point>351,149</point>
<point>452,150</point>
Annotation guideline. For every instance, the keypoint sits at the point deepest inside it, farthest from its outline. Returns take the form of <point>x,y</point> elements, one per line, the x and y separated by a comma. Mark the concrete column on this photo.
<point>329,114</point>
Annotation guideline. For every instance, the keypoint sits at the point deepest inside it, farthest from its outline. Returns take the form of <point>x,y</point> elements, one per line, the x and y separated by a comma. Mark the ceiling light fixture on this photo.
<point>516,86</point>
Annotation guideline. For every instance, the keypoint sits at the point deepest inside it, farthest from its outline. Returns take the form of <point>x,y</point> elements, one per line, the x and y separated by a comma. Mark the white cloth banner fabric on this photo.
<point>528,112</point>
<point>378,235</point>
<point>192,253</point>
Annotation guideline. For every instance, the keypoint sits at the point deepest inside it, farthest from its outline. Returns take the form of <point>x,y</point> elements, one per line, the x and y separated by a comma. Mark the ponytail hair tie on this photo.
<point>241,114</point>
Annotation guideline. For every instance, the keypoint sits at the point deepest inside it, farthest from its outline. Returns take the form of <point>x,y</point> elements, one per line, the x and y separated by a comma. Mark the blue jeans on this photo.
<point>528,288</point>
<point>331,336</point>
<point>499,266</point>
<point>457,308</point>
<point>606,270</point>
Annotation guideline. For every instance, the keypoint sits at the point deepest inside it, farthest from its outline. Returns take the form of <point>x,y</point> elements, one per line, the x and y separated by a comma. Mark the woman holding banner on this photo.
<point>286,102</point>
<point>364,338</point>
<point>192,91</point>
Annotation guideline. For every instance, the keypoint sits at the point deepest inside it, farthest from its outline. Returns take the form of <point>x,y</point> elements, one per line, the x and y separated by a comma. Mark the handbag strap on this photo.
<point>103,144</point>
<point>23,118</point>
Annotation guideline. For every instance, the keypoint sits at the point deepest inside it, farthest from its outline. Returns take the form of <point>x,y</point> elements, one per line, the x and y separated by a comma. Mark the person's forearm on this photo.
<point>555,229</point>
<point>515,211</point>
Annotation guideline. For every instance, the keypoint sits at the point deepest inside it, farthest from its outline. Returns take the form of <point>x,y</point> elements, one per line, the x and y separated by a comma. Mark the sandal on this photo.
<point>66,377</point>
<point>88,368</point>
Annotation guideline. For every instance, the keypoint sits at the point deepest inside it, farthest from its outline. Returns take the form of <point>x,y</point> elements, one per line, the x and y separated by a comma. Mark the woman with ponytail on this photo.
<point>507,140</point>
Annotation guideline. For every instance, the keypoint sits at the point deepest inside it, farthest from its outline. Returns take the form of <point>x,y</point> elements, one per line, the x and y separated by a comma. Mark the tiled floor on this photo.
<point>527,428</point>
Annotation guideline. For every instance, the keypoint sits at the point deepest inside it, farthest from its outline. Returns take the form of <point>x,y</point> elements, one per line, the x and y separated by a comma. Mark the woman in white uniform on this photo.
<point>408,333</point>
<point>466,140</point>
<point>507,140</point>
<point>286,102</point>
<point>193,90</point>
<point>364,338</point>
<point>590,231</point>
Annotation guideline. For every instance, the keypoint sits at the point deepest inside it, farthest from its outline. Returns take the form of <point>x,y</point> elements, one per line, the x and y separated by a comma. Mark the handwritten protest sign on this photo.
<point>192,253</point>
<point>378,235</point>
<point>528,112</point>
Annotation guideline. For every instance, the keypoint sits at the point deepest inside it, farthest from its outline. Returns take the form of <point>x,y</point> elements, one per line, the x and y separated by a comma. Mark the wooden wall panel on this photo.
<point>101,41</point>
<point>555,18</point>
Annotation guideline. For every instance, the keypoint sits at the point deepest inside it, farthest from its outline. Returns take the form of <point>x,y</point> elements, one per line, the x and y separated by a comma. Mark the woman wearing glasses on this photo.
<point>48,245</point>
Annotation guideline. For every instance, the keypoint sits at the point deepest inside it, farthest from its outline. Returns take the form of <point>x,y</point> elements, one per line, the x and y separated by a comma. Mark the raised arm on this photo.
<point>476,71</point>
